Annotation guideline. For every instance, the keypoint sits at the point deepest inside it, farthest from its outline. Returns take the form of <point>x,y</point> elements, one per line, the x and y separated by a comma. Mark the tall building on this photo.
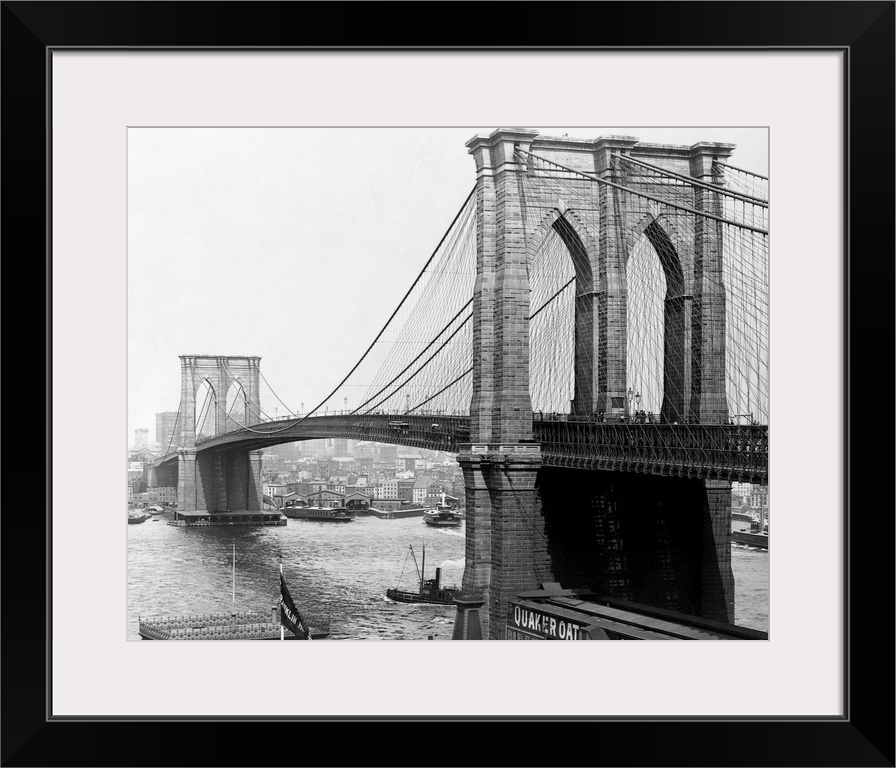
<point>165,428</point>
<point>759,498</point>
<point>406,490</point>
<point>141,438</point>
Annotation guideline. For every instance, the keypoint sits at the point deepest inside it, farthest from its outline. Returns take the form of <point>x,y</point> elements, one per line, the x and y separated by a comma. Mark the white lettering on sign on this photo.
<point>549,626</point>
<point>289,614</point>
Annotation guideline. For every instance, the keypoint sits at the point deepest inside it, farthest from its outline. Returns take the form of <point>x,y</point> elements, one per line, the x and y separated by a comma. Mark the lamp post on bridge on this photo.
<point>636,396</point>
<point>345,403</point>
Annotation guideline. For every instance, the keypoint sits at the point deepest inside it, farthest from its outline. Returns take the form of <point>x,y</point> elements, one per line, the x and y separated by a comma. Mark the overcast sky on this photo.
<point>296,244</point>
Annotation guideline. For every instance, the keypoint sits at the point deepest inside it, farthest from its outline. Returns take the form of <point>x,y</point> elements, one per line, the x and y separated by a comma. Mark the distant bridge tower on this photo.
<point>508,548</point>
<point>218,394</point>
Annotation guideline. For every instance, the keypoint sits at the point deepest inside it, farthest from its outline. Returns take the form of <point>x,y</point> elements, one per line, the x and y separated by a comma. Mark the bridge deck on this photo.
<point>707,451</point>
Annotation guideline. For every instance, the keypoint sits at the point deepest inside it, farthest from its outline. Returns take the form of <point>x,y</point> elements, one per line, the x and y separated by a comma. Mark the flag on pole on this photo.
<point>290,616</point>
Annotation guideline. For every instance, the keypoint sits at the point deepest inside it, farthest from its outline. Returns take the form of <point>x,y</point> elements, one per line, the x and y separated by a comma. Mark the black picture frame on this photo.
<point>863,31</point>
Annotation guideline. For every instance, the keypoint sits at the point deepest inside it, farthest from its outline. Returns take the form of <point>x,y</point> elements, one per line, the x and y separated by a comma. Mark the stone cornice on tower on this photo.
<point>495,152</point>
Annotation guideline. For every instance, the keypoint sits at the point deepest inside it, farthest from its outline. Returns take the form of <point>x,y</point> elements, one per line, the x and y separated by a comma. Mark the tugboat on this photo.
<point>442,514</point>
<point>757,536</point>
<point>430,590</point>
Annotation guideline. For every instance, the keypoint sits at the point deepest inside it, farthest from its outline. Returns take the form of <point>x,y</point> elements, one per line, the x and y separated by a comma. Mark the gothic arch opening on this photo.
<point>561,319</point>
<point>236,407</point>
<point>657,357</point>
<point>206,410</point>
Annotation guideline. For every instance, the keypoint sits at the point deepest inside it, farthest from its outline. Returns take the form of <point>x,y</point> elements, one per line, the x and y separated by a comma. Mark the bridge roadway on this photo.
<point>732,452</point>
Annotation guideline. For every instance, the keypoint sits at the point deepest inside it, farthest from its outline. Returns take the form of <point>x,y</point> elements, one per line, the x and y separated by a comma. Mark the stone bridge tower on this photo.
<point>219,481</point>
<point>507,550</point>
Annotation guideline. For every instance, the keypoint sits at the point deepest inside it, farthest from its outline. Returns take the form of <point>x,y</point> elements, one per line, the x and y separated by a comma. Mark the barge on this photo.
<point>203,518</point>
<point>239,625</point>
<point>243,625</point>
<point>320,514</point>
<point>395,514</point>
<point>759,540</point>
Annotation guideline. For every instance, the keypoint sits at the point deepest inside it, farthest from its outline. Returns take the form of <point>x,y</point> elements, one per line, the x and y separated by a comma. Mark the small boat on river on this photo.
<point>442,514</point>
<point>759,540</point>
<point>757,536</point>
<point>429,590</point>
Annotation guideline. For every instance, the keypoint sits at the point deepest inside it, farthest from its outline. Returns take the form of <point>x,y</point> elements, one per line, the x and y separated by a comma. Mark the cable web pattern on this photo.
<point>663,215</point>
<point>421,361</point>
<point>743,238</point>
<point>747,281</point>
<point>552,283</point>
<point>559,270</point>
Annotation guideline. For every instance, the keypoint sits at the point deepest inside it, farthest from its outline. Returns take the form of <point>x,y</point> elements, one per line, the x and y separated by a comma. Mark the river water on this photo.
<point>336,569</point>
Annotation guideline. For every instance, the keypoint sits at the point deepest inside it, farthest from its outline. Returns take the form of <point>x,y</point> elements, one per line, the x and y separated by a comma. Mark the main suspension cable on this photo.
<point>630,191</point>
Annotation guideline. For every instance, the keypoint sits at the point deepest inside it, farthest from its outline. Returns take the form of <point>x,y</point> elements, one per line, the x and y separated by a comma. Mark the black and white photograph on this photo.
<point>421,344</point>
<point>466,383</point>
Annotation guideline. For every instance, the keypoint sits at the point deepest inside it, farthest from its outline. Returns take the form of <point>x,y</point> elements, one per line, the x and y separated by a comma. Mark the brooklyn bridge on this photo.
<point>590,337</point>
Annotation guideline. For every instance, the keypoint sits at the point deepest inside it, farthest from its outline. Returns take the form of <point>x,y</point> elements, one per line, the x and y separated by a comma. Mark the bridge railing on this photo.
<point>373,414</point>
<point>434,430</point>
<point>642,418</point>
<point>710,451</point>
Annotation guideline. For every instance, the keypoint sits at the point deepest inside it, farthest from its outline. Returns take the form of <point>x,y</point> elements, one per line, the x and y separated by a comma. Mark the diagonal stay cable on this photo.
<point>469,370</point>
<point>203,412</point>
<point>563,288</point>
<point>422,352</point>
<point>382,330</point>
<point>288,409</point>
<point>400,304</point>
<point>261,411</point>
<point>694,182</point>
<point>645,196</point>
<point>422,367</point>
<point>174,428</point>
<point>558,292</point>
<point>735,168</point>
<point>447,386</point>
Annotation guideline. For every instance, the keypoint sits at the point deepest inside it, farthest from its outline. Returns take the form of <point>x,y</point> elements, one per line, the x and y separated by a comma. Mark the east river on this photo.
<point>336,569</point>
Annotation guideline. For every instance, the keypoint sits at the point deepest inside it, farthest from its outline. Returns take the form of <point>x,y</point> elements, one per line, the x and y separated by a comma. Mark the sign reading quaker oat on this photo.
<point>526,623</point>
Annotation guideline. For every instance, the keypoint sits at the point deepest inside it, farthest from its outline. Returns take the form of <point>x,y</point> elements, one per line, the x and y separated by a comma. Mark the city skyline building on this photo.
<point>141,438</point>
<point>165,425</point>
